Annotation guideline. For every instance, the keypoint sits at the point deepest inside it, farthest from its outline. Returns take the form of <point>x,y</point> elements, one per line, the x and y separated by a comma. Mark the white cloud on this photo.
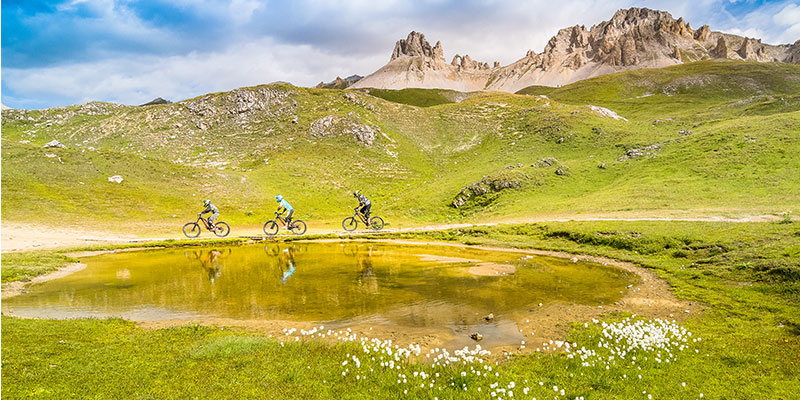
<point>136,80</point>
<point>314,40</point>
<point>789,17</point>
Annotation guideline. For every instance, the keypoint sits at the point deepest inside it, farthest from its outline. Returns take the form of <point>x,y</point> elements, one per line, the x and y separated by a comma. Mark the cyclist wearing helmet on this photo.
<point>284,205</point>
<point>364,205</point>
<point>210,208</point>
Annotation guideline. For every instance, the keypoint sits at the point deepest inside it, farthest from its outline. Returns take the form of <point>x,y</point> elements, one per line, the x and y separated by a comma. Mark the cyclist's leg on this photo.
<point>211,220</point>
<point>367,209</point>
<point>289,218</point>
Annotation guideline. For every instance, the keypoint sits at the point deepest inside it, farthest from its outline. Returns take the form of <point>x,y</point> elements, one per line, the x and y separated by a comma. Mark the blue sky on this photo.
<point>57,53</point>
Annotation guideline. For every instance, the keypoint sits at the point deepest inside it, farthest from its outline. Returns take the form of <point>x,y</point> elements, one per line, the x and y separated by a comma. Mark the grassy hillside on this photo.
<point>700,139</point>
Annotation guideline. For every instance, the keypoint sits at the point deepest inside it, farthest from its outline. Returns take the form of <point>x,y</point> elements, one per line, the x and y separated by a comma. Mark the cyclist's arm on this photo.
<point>207,210</point>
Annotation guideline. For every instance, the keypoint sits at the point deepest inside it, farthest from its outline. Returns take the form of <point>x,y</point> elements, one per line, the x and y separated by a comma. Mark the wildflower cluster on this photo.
<point>630,343</point>
<point>633,341</point>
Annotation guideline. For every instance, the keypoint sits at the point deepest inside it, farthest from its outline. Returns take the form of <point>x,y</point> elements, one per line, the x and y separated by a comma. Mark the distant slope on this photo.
<point>418,97</point>
<point>710,138</point>
<point>715,89</point>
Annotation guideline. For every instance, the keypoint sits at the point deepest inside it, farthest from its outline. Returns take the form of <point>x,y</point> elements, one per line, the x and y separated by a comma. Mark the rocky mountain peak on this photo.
<point>415,45</point>
<point>632,38</point>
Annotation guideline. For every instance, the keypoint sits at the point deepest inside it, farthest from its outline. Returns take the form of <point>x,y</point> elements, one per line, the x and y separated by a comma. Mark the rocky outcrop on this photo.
<point>416,64</point>
<point>415,45</point>
<point>330,125</point>
<point>340,83</point>
<point>486,186</point>
<point>631,39</point>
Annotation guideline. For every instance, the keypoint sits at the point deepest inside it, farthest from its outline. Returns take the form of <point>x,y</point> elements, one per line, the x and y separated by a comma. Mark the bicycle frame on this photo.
<point>361,216</point>
<point>279,218</point>
<point>205,222</point>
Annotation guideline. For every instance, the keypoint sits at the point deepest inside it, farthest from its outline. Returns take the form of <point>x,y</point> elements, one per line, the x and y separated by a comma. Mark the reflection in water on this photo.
<point>285,259</point>
<point>287,264</point>
<point>366,279</point>
<point>211,261</point>
<point>400,285</point>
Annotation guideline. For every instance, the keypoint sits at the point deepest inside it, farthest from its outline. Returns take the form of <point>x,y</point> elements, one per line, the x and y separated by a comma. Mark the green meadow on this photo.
<point>700,140</point>
<point>745,275</point>
<point>707,139</point>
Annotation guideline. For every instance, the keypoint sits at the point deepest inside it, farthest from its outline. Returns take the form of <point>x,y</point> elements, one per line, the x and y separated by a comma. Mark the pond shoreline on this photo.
<point>650,297</point>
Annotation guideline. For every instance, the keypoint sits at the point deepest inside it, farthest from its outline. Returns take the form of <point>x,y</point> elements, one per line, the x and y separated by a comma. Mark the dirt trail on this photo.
<point>18,237</point>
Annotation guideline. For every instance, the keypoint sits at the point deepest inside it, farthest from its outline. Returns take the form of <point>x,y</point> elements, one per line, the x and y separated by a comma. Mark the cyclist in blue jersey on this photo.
<point>284,206</point>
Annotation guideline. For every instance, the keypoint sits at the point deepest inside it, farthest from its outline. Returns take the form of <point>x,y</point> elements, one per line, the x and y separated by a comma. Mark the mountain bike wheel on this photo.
<point>376,223</point>
<point>271,228</point>
<point>192,230</point>
<point>349,224</point>
<point>298,227</point>
<point>222,229</point>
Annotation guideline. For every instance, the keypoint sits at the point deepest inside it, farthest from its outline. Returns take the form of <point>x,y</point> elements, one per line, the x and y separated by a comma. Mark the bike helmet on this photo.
<point>206,202</point>
<point>356,193</point>
<point>278,198</point>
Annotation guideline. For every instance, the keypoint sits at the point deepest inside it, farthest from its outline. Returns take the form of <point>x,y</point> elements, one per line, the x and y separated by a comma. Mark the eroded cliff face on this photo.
<point>631,39</point>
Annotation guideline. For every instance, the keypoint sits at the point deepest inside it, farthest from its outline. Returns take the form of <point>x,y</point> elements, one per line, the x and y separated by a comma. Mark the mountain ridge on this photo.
<point>633,38</point>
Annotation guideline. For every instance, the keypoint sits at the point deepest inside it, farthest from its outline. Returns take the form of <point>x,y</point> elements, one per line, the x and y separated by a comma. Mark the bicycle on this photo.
<point>192,229</point>
<point>351,223</point>
<point>297,227</point>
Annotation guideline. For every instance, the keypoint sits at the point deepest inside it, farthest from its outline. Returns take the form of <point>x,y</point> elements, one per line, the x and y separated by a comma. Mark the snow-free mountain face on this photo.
<point>632,39</point>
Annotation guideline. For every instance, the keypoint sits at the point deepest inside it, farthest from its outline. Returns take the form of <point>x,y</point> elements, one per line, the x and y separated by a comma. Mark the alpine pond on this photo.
<point>431,290</point>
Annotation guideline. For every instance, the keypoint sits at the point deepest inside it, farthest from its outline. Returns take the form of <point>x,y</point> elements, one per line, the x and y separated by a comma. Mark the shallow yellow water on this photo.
<point>409,286</point>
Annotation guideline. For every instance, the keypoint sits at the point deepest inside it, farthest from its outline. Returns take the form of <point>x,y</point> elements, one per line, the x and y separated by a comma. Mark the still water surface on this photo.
<point>411,286</point>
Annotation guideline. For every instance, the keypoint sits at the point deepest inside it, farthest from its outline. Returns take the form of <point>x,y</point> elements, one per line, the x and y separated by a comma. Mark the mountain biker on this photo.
<point>364,205</point>
<point>210,208</point>
<point>284,205</point>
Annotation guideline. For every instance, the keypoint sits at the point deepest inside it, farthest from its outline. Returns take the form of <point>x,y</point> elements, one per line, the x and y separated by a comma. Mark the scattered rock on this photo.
<point>604,112</point>
<point>115,179</point>
<point>330,125</point>
<point>602,166</point>
<point>636,153</point>
<point>54,143</point>
<point>476,337</point>
<point>658,121</point>
<point>489,317</point>
<point>562,171</point>
<point>546,162</point>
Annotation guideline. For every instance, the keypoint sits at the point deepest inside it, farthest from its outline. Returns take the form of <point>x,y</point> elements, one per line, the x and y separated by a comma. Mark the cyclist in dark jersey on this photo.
<point>210,208</point>
<point>364,205</point>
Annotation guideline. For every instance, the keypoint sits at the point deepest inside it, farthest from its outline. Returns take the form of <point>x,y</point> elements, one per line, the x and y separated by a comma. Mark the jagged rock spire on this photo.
<point>416,45</point>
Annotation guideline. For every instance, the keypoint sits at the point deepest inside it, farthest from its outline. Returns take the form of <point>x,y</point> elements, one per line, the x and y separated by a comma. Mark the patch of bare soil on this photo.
<point>26,237</point>
<point>492,269</point>
<point>12,289</point>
